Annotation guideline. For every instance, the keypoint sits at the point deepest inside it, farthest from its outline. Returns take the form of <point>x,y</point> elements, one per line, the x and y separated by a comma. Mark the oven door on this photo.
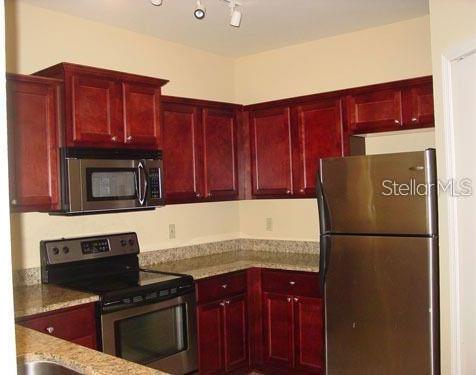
<point>103,184</point>
<point>161,335</point>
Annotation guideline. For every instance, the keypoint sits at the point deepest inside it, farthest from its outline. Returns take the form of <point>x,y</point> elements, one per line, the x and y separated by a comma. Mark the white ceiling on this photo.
<point>266,24</point>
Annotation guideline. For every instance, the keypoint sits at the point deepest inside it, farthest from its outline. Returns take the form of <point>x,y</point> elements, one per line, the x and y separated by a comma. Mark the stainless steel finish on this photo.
<point>77,198</point>
<point>75,253</point>
<point>43,368</point>
<point>353,189</point>
<point>50,330</point>
<point>179,363</point>
<point>381,306</point>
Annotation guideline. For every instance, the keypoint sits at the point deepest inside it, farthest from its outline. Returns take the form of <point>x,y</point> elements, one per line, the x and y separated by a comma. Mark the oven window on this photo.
<point>111,184</point>
<point>149,337</point>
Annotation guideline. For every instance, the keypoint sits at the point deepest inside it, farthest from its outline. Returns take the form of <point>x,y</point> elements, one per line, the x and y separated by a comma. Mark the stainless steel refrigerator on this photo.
<point>379,263</point>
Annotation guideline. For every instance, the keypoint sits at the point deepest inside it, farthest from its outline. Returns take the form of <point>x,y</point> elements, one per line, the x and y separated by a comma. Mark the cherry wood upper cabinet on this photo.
<point>319,134</point>
<point>309,334</point>
<point>271,158</point>
<point>419,106</point>
<point>220,153</point>
<point>142,114</point>
<point>105,108</point>
<point>182,146</point>
<point>34,118</point>
<point>378,110</point>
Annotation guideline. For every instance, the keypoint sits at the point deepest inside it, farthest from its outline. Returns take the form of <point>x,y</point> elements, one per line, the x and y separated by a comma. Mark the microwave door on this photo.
<point>103,184</point>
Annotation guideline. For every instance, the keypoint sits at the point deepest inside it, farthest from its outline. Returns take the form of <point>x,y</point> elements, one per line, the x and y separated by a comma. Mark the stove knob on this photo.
<point>123,242</point>
<point>55,250</point>
<point>66,249</point>
<point>131,242</point>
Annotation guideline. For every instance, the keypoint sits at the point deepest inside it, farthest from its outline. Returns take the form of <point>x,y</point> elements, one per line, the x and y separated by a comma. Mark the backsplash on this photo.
<point>32,276</point>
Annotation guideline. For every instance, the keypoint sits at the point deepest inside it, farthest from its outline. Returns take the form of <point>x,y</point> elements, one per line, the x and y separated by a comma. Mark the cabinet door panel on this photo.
<point>420,106</point>
<point>236,351</point>
<point>142,115</point>
<point>375,111</point>
<point>182,147</point>
<point>270,133</point>
<point>210,338</point>
<point>219,139</point>
<point>320,135</point>
<point>278,321</point>
<point>33,125</point>
<point>309,333</point>
<point>96,112</point>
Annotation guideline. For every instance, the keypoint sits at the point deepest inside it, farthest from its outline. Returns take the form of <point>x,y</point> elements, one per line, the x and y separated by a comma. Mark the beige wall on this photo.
<point>452,25</point>
<point>392,52</point>
<point>38,38</point>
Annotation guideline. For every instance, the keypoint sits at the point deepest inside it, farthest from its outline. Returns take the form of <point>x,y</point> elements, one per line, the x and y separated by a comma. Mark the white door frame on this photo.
<point>460,52</point>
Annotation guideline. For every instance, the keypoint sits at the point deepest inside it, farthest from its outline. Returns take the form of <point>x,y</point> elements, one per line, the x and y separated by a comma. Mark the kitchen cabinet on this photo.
<point>222,323</point>
<point>292,321</point>
<point>109,109</point>
<point>200,150</point>
<point>419,106</point>
<point>271,155</point>
<point>76,324</point>
<point>34,119</point>
<point>319,134</point>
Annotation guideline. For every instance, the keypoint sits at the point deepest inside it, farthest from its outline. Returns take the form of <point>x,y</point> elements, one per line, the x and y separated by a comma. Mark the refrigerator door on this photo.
<point>381,306</point>
<point>379,194</point>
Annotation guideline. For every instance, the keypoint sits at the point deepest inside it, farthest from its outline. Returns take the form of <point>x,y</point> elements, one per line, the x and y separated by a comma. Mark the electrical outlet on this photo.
<point>171,231</point>
<point>269,224</point>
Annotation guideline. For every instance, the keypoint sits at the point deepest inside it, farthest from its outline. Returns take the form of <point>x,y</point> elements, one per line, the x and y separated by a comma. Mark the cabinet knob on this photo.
<point>209,195</point>
<point>50,330</point>
<point>289,299</point>
<point>397,122</point>
<point>14,202</point>
<point>414,119</point>
<point>301,190</point>
<point>222,303</point>
<point>198,195</point>
<point>129,138</point>
<point>296,299</point>
<point>292,283</point>
<point>114,138</point>
<point>288,191</point>
<point>224,286</point>
<point>227,302</point>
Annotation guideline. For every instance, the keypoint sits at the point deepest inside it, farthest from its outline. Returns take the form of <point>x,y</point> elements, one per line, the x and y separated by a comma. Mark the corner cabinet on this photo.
<point>105,108</point>
<point>34,120</point>
<point>200,150</point>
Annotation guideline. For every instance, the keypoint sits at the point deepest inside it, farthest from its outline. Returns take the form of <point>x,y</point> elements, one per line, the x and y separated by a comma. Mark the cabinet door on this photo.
<point>141,115</point>
<point>375,111</point>
<point>219,150</point>
<point>33,125</point>
<point>419,107</point>
<point>319,135</point>
<point>309,334</point>
<point>236,350</point>
<point>210,338</point>
<point>182,146</point>
<point>271,160</point>
<point>95,110</point>
<point>278,323</point>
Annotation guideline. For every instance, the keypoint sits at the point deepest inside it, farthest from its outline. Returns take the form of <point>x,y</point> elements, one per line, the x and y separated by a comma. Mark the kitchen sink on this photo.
<point>43,368</point>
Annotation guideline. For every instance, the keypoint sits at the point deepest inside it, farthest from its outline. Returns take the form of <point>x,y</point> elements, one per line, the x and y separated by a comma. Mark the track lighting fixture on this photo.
<point>200,11</point>
<point>235,18</point>
<point>156,2</point>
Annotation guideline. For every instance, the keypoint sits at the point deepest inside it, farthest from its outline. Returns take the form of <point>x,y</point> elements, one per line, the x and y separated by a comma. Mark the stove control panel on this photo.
<point>68,250</point>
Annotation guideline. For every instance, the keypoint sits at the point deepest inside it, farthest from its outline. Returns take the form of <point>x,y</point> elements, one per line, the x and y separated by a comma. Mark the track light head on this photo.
<point>200,11</point>
<point>235,19</point>
<point>156,2</point>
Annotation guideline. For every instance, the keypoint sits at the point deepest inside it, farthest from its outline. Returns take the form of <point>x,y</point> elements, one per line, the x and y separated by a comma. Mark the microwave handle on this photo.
<point>142,183</point>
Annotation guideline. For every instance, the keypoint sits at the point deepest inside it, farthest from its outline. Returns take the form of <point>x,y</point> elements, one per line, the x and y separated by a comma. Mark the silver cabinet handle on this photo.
<point>222,303</point>
<point>296,299</point>
<point>114,138</point>
<point>289,299</point>
<point>227,302</point>
<point>50,330</point>
<point>198,195</point>
<point>292,283</point>
<point>301,190</point>
<point>14,201</point>
<point>129,138</point>
<point>414,119</point>
<point>224,286</point>
<point>288,191</point>
<point>397,122</point>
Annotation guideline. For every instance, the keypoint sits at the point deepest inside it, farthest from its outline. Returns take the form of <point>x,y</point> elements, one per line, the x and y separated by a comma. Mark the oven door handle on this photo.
<point>142,191</point>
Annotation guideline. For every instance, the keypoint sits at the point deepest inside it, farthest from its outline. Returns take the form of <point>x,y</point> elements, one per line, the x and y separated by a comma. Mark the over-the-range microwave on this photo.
<point>102,180</point>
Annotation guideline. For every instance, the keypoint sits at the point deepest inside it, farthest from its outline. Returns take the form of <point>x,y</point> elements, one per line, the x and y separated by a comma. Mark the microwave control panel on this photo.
<point>155,183</point>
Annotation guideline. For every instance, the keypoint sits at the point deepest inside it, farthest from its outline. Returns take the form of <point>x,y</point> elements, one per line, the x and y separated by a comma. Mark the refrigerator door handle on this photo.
<point>324,222</point>
<point>324,253</point>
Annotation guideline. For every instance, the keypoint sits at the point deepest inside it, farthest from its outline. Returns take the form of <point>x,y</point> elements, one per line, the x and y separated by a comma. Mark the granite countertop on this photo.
<point>36,346</point>
<point>41,298</point>
<point>211,265</point>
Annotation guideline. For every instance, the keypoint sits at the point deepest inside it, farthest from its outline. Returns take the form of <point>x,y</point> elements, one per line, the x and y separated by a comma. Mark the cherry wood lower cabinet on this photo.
<point>75,324</point>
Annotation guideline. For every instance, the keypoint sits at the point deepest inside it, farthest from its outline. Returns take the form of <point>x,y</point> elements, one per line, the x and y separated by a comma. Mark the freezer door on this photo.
<point>381,306</point>
<point>379,194</point>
